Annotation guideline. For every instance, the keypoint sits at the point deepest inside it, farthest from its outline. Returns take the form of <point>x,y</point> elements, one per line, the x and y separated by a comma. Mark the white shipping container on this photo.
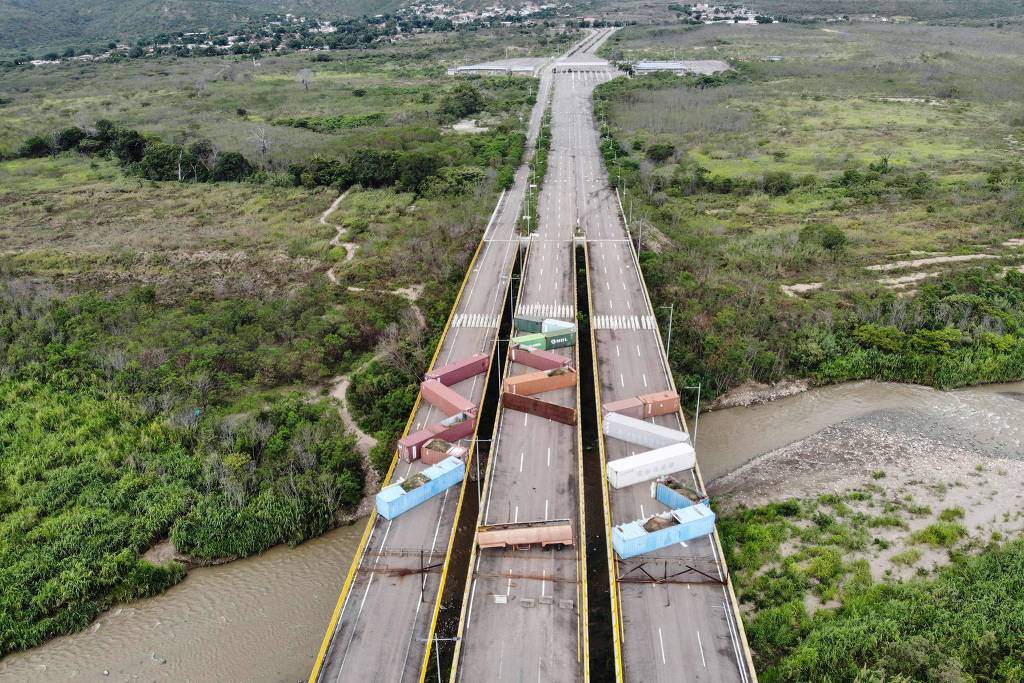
<point>554,325</point>
<point>641,432</point>
<point>650,465</point>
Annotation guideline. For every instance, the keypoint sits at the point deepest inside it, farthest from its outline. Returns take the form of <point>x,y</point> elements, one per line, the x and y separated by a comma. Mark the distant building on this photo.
<point>681,68</point>
<point>528,67</point>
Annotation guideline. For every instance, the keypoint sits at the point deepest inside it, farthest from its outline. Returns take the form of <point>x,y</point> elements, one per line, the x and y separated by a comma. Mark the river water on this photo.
<point>263,618</point>
<point>988,419</point>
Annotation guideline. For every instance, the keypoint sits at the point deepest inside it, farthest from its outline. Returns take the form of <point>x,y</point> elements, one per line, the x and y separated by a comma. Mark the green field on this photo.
<point>863,148</point>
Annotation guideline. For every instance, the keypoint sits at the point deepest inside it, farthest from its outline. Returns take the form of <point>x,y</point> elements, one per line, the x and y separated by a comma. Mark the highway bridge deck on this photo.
<point>684,629</point>
<point>382,626</point>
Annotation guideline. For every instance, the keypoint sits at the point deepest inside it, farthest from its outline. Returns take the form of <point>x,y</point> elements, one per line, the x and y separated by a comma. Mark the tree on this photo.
<point>262,138</point>
<point>231,167</point>
<point>462,101</point>
<point>305,77</point>
<point>128,145</point>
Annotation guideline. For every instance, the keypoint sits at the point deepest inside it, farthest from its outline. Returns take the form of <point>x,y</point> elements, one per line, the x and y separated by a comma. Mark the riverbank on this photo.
<point>895,521</point>
<point>874,461</point>
<point>261,618</point>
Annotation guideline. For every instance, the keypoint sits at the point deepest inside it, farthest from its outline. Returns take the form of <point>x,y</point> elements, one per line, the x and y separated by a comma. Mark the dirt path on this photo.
<point>340,384</point>
<point>339,232</point>
<point>364,442</point>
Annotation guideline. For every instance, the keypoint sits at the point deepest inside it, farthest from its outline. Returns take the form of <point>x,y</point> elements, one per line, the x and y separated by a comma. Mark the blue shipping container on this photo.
<point>631,539</point>
<point>673,499</point>
<point>394,500</point>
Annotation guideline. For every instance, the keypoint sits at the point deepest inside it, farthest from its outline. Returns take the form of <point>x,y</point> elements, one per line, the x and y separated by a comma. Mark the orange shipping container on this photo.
<point>539,382</point>
<point>633,407</point>
<point>660,403</point>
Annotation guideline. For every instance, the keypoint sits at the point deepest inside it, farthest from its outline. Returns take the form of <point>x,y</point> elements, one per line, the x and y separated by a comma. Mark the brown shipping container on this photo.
<point>411,447</point>
<point>434,451</point>
<point>467,367</point>
<point>513,535</point>
<point>445,399</point>
<point>539,382</point>
<point>432,457</point>
<point>538,359</point>
<point>660,403</point>
<point>549,411</point>
<point>633,407</point>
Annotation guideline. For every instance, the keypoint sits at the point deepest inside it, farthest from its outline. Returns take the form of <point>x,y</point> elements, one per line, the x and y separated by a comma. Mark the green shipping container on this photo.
<point>528,323</point>
<point>533,341</point>
<point>560,339</point>
<point>548,341</point>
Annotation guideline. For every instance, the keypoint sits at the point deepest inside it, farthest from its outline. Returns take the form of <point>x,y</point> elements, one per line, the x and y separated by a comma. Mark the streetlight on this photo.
<point>671,310</point>
<point>696,416</point>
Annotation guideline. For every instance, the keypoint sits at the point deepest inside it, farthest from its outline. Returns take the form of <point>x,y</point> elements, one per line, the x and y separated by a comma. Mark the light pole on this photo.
<point>671,310</point>
<point>696,415</point>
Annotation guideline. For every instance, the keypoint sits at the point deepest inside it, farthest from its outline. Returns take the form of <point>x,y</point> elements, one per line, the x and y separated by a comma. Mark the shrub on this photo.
<point>660,152</point>
<point>941,534</point>
<point>907,558</point>
<point>777,183</point>
<point>35,147</point>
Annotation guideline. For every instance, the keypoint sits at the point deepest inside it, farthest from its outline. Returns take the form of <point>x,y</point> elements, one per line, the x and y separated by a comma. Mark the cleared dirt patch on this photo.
<point>795,290</point>
<point>917,263</point>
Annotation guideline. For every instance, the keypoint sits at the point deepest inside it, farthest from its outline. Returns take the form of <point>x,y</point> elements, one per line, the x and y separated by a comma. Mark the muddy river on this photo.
<point>262,619</point>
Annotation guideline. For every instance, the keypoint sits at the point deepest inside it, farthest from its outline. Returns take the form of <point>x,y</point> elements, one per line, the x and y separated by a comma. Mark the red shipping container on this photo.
<point>660,403</point>
<point>633,407</point>
<point>456,427</point>
<point>453,373</point>
<point>549,411</point>
<point>538,359</point>
<point>411,447</point>
<point>447,400</point>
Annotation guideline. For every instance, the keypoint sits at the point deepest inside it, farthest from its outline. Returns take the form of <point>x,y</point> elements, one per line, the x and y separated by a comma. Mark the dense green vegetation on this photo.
<point>956,624</point>
<point>810,172</point>
<point>29,23</point>
<point>165,343</point>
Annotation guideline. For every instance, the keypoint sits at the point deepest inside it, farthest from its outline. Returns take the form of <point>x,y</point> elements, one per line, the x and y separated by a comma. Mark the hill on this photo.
<point>51,24</point>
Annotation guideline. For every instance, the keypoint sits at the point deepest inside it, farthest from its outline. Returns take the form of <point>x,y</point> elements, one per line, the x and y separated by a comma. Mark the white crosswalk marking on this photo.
<point>474,320</point>
<point>624,322</point>
<point>562,311</point>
